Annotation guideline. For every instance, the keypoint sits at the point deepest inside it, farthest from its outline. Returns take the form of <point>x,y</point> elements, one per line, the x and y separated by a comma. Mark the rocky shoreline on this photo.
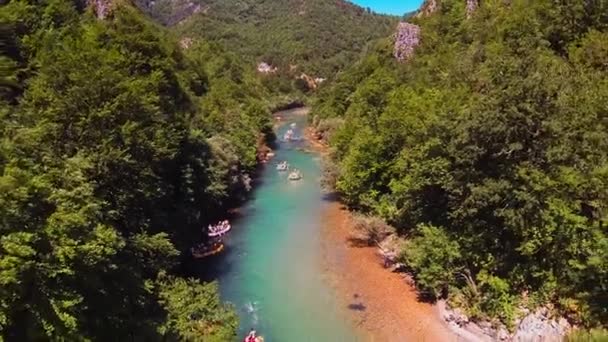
<point>537,326</point>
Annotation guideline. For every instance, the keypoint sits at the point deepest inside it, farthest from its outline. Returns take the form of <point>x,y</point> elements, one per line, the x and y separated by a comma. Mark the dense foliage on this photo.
<point>319,36</point>
<point>115,148</point>
<point>489,150</point>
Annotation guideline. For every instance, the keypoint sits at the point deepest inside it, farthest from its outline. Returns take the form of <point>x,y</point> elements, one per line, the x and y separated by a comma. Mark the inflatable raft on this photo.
<point>206,251</point>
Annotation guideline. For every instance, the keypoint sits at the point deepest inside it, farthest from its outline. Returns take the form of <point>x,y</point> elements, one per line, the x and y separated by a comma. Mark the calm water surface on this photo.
<point>271,269</point>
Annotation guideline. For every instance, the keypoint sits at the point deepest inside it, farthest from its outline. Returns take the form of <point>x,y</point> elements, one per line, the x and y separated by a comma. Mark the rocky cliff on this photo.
<point>101,8</point>
<point>431,6</point>
<point>428,7</point>
<point>407,38</point>
<point>471,7</point>
<point>170,12</point>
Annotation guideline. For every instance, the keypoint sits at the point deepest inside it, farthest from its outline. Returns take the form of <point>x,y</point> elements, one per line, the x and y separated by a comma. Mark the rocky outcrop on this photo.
<point>185,43</point>
<point>101,8</point>
<point>471,7</point>
<point>311,83</point>
<point>264,152</point>
<point>428,7</point>
<point>180,11</point>
<point>406,40</point>
<point>408,35</point>
<point>431,6</point>
<point>170,12</point>
<point>389,250</point>
<point>538,326</point>
<point>266,68</point>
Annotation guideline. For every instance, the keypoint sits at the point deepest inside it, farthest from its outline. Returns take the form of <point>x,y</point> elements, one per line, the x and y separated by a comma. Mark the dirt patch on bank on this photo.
<point>381,302</point>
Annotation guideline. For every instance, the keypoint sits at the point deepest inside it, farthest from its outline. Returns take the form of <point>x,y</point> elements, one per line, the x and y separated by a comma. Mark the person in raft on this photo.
<point>251,337</point>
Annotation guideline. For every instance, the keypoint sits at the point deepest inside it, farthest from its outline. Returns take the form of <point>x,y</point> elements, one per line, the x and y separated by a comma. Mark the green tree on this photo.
<point>434,256</point>
<point>495,132</point>
<point>108,169</point>
<point>195,312</point>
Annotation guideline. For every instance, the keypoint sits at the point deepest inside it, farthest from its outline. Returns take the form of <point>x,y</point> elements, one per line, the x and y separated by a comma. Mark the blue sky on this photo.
<point>397,7</point>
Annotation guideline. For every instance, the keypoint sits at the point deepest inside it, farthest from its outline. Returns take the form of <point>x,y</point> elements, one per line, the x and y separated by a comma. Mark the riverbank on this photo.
<point>382,303</point>
<point>385,303</point>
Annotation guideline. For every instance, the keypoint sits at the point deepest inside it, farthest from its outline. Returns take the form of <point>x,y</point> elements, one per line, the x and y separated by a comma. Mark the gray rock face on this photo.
<point>100,7</point>
<point>170,12</point>
<point>431,6</point>
<point>406,40</point>
<point>472,7</point>
<point>185,43</point>
<point>266,68</point>
<point>539,327</point>
<point>428,7</point>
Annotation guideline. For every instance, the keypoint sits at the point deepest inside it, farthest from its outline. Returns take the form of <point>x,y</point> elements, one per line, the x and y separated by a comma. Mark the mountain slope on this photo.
<point>319,36</point>
<point>487,146</point>
<point>116,147</point>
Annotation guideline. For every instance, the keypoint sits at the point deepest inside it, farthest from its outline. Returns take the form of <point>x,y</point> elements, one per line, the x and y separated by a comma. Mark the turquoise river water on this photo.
<point>271,270</point>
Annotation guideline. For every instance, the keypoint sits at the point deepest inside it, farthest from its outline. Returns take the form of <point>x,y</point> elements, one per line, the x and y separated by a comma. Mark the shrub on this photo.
<point>497,300</point>
<point>326,127</point>
<point>371,229</point>
<point>330,175</point>
<point>594,335</point>
<point>433,256</point>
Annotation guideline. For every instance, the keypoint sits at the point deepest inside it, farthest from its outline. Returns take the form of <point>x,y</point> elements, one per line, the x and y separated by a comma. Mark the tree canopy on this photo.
<point>489,150</point>
<point>116,146</point>
<point>319,37</point>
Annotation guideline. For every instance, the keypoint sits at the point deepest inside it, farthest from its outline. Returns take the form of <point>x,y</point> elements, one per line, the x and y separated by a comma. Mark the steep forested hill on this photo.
<point>488,148</point>
<point>319,36</point>
<point>116,146</point>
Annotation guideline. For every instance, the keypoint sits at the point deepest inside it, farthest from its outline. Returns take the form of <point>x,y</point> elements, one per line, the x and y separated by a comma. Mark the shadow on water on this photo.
<point>330,197</point>
<point>257,181</point>
<point>210,268</point>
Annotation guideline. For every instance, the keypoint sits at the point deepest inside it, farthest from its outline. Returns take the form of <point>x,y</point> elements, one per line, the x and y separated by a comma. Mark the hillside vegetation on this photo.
<point>488,150</point>
<point>116,147</point>
<point>320,37</point>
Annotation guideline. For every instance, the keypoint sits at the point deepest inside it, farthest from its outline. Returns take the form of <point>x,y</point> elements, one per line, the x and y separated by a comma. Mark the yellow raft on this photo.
<point>198,254</point>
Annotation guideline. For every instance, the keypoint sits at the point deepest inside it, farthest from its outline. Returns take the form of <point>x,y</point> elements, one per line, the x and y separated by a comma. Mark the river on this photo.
<point>272,270</point>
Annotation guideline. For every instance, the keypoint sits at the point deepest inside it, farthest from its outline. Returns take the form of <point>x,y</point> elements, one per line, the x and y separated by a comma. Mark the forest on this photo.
<point>319,37</point>
<point>116,146</point>
<point>316,38</point>
<point>487,150</point>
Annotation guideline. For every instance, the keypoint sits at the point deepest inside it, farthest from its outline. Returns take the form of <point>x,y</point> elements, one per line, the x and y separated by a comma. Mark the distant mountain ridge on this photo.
<point>318,37</point>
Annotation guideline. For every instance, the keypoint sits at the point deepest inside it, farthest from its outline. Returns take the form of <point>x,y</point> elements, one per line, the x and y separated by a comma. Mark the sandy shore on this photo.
<point>382,303</point>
